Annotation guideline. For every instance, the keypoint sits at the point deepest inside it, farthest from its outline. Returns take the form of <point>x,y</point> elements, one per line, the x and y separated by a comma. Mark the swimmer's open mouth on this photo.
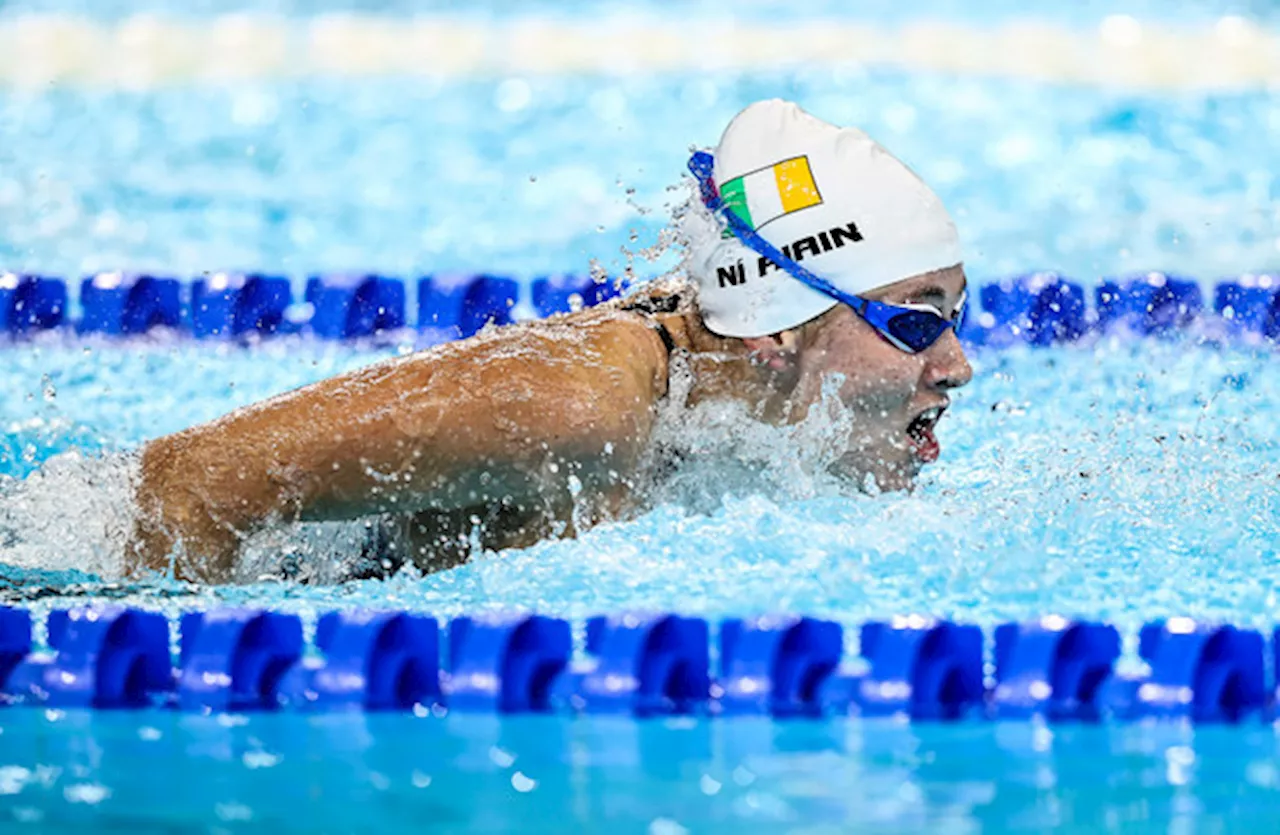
<point>920,434</point>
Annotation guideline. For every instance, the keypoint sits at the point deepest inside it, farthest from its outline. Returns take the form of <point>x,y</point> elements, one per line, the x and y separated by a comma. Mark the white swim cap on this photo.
<point>829,198</point>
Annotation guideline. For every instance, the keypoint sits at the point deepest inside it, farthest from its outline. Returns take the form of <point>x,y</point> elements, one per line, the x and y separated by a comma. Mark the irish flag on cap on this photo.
<point>769,193</point>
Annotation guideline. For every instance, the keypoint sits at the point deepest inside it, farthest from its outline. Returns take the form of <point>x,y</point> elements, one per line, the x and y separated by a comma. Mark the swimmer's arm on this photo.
<point>502,419</point>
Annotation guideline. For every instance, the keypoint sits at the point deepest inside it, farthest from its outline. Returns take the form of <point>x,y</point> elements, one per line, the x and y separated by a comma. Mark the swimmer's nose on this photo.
<point>946,365</point>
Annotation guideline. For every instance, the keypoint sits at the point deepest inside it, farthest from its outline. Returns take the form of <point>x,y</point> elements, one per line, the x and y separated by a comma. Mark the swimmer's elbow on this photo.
<point>175,529</point>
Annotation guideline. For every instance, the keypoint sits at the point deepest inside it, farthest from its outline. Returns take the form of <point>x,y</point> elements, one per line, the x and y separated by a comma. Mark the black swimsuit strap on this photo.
<point>664,335</point>
<point>649,308</point>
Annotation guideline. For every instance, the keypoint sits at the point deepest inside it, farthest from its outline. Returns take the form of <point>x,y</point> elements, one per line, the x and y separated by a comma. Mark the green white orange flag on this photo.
<point>770,193</point>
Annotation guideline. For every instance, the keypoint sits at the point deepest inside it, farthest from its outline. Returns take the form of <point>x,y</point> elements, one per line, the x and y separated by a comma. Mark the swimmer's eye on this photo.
<point>962,306</point>
<point>957,312</point>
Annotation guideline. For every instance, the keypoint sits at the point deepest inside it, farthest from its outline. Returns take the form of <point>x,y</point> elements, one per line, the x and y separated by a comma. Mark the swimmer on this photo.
<point>815,253</point>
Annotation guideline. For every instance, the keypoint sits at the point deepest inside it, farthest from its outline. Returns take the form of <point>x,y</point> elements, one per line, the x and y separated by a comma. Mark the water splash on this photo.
<point>75,512</point>
<point>702,453</point>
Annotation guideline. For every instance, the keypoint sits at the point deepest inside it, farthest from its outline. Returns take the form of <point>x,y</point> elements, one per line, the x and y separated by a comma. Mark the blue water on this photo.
<point>1124,479</point>
<point>1119,479</point>
<point>540,175</point>
<point>350,773</point>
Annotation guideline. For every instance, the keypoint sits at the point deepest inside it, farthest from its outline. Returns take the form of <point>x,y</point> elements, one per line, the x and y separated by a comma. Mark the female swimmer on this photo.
<point>816,253</point>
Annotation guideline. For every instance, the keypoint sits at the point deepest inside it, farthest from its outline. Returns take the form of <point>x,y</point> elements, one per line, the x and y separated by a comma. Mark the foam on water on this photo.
<point>73,513</point>
<point>712,448</point>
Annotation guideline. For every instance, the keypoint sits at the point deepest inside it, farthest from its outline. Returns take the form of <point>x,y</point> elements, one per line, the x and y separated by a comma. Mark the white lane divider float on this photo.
<point>145,52</point>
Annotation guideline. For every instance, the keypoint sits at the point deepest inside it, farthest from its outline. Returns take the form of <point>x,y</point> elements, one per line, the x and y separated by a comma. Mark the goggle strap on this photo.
<point>702,166</point>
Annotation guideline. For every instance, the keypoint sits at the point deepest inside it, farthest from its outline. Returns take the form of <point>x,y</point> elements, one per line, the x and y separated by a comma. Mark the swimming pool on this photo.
<point>1119,479</point>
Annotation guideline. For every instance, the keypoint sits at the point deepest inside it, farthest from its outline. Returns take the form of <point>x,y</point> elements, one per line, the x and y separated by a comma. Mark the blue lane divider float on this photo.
<point>108,657</point>
<point>1052,668</point>
<point>1036,309</point>
<point>1040,309</point>
<point>15,640</point>
<point>1201,672</point>
<point>370,661</point>
<point>784,666</point>
<point>776,664</point>
<point>233,659</point>
<point>31,303</point>
<point>646,665</point>
<point>505,663</point>
<point>564,293</point>
<point>232,305</point>
<point>921,668</point>
<point>119,304</point>
<point>456,307</point>
<point>1249,304</point>
<point>1150,303</point>
<point>352,307</point>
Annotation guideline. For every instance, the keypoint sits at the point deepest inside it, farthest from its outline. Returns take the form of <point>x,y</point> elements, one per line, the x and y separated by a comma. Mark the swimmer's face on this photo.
<point>896,398</point>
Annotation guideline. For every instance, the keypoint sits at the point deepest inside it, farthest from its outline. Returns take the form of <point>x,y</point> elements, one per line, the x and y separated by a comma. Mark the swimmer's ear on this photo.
<point>778,351</point>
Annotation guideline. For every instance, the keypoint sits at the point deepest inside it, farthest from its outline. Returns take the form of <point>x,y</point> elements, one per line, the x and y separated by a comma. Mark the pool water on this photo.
<point>538,175</point>
<point>355,773</point>
<point>1067,483</point>
<point>1121,478</point>
<point>1126,479</point>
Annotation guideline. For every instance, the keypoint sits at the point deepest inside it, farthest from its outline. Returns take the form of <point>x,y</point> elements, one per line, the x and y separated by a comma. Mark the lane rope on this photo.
<point>145,52</point>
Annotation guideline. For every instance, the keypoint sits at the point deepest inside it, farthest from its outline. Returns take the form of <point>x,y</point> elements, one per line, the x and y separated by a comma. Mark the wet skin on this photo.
<point>505,428</point>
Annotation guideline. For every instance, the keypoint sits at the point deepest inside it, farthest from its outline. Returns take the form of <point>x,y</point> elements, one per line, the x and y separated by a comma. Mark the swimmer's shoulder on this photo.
<point>609,339</point>
<point>610,355</point>
<point>648,326</point>
<point>590,380</point>
<point>613,336</point>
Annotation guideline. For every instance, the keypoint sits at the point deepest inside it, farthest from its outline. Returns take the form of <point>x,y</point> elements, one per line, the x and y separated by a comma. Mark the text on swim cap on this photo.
<point>825,241</point>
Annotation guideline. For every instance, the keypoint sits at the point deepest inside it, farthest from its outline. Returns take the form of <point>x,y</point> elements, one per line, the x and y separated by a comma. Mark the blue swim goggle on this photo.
<point>908,327</point>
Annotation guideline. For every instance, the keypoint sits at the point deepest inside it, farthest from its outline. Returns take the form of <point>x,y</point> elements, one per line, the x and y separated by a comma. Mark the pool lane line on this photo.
<point>143,52</point>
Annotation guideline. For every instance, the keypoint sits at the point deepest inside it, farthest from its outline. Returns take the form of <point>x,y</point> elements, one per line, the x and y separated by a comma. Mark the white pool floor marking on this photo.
<point>144,52</point>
